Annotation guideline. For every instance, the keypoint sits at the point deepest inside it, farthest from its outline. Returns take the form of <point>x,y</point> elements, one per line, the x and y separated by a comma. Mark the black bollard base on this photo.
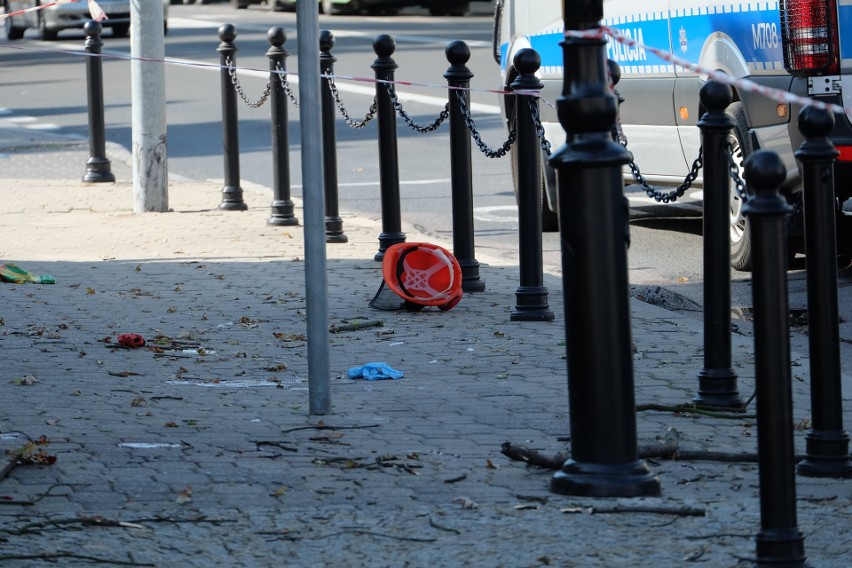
<point>282,214</point>
<point>717,388</point>
<point>334,230</point>
<point>387,240</point>
<point>232,199</point>
<point>470,276</point>
<point>631,479</point>
<point>531,304</point>
<point>98,171</point>
<point>781,547</point>
<point>827,455</point>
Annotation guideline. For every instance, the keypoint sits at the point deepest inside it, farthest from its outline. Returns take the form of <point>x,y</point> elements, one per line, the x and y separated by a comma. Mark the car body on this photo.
<point>661,107</point>
<point>50,20</point>
<point>436,7</point>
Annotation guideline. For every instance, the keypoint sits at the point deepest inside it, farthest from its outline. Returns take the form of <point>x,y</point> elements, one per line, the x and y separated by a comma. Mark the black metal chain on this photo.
<point>285,84</point>
<point>349,120</point>
<point>734,172</point>
<point>656,194</point>
<point>408,120</point>
<point>236,82</point>
<point>471,125</point>
<point>539,128</point>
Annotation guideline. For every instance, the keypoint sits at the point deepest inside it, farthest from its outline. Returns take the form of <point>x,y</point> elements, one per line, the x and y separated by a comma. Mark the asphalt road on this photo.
<point>45,85</point>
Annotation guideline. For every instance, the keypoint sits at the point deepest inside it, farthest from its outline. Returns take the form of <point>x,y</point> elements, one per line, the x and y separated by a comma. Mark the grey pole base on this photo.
<point>531,305</point>
<point>827,455</point>
<point>282,221</point>
<point>781,547</point>
<point>600,480</point>
<point>98,171</point>
<point>717,388</point>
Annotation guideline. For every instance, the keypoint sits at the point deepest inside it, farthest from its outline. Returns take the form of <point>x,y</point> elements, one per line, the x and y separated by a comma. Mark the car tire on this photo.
<point>13,32</point>
<point>46,33</point>
<point>740,233</point>
<point>120,30</point>
<point>549,219</point>
<point>239,4</point>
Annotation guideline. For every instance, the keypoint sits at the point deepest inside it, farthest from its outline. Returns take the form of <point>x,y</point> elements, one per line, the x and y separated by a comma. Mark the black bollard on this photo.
<point>232,193</point>
<point>282,205</point>
<point>827,445</point>
<point>779,542</point>
<point>604,454</point>
<point>717,382</point>
<point>384,66</point>
<point>333,223</point>
<point>458,77</point>
<point>97,166</point>
<point>531,296</point>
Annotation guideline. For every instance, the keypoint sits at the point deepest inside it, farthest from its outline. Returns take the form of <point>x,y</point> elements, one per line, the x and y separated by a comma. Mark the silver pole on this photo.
<point>148,104</point>
<point>316,280</point>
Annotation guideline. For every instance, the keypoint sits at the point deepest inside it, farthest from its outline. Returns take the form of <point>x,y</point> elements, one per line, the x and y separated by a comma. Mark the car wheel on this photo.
<point>46,33</point>
<point>278,6</point>
<point>740,234</point>
<point>12,31</point>
<point>239,4</point>
<point>458,9</point>
<point>437,11</point>
<point>120,30</point>
<point>549,219</point>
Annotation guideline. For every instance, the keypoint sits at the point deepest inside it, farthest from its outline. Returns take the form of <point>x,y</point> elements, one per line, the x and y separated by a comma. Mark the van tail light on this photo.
<point>809,36</point>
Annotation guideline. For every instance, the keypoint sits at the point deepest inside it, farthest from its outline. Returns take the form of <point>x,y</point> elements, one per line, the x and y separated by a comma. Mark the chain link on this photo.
<point>408,120</point>
<point>236,82</point>
<point>539,128</point>
<point>734,172</point>
<point>471,125</point>
<point>285,84</point>
<point>351,122</point>
<point>656,194</point>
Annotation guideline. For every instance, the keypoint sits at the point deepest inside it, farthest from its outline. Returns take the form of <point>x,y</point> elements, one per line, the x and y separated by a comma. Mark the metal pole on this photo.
<point>316,279</point>
<point>604,454</point>
<point>779,542</point>
<point>232,193</point>
<point>717,382</point>
<point>333,223</point>
<point>97,166</point>
<point>531,296</point>
<point>384,67</point>
<point>458,78</point>
<point>827,445</point>
<point>150,156</point>
<point>281,206</point>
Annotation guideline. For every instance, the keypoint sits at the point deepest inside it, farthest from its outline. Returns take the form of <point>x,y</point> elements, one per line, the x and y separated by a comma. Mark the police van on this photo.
<point>799,46</point>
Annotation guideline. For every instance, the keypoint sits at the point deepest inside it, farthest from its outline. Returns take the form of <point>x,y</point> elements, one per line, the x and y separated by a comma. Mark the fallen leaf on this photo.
<point>185,496</point>
<point>682,280</point>
<point>138,268</point>
<point>465,503</point>
<point>526,506</point>
<point>490,464</point>
<point>138,401</point>
<point>90,291</point>
<point>171,425</point>
<point>27,380</point>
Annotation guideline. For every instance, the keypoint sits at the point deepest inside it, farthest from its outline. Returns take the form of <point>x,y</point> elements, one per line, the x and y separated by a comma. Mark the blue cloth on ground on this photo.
<point>374,372</point>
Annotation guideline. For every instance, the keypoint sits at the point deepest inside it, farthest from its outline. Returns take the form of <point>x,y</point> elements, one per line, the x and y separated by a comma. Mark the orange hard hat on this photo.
<point>423,274</point>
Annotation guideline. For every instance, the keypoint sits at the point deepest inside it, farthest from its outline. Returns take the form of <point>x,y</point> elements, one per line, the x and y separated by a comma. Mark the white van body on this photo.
<point>661,107</point>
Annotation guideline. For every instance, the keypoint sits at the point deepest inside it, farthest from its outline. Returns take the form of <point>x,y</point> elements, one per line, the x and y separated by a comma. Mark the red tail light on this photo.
<point>809,35</point>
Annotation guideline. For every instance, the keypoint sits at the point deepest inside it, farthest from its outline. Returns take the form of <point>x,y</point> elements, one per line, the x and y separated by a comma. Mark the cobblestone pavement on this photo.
<point>202,452</point>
